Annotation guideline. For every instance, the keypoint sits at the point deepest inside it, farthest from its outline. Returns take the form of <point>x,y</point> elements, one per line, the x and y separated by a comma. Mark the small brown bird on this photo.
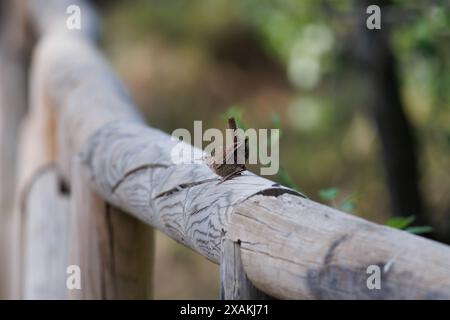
<point>224,161</point>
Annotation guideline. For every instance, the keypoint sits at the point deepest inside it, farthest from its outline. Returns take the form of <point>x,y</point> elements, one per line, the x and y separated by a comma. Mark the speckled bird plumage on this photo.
<point>224,160</point>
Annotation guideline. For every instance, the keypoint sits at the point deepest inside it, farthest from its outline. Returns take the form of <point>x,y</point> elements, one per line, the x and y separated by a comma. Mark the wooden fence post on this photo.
<point>13,93</point>
<point>234,284</point>
<point>36,152</point>
<point>113,250</point>
<point>45,221</point>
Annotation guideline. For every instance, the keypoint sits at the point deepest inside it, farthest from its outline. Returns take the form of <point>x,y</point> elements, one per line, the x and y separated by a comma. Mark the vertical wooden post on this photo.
<point>36,152</point>
<point>45,221</point>
<point>113,250</point>
<point>234,284</point>
<point>13,93</point>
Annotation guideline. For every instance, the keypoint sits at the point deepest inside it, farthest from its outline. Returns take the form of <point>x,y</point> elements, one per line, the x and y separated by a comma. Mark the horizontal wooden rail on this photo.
<point>290,246</point>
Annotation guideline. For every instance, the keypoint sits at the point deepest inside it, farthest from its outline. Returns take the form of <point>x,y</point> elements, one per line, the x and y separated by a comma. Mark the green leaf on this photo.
<point>447,134</point>
<point>329,194</point>
<point>419,230</point>
<point>236,112</point>
<point>400,222</point>
<point>284,178</point>
<point>276,120</point>
<point>349,204</point>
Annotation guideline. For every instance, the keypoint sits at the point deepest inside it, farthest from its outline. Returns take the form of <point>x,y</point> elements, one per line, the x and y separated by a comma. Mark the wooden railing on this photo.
<point>93,177</point>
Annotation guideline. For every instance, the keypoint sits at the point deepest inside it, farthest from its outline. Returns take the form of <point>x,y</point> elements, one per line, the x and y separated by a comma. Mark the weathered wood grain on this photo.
<point>291,247</point>
<point>316,252</point>
<point>234,283</point>
<point>13,93</point>
<point>36,152</point>
<point>45,222</point>
<point>35,155</point>
<point>112,249</point>
<point>134,171</point>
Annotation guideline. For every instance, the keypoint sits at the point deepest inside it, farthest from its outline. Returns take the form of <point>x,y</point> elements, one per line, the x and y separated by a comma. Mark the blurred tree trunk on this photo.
<point>13,93</point>
<point>377,66</point>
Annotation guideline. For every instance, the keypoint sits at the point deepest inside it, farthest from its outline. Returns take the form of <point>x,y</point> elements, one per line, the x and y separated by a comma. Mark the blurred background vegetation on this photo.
<point>365,115</point>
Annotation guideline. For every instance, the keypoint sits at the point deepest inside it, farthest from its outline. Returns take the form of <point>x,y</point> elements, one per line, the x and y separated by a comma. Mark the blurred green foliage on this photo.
<point>236,112</point>
<point>404,223</point>
<point>400,222</point>
<point>331,196</point>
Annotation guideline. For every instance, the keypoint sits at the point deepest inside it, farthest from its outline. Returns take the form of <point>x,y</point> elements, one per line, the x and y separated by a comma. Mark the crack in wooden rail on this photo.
<point>276,192</point>
<point>331,250</point>
<point>181,187</point>
<point>128,173</point>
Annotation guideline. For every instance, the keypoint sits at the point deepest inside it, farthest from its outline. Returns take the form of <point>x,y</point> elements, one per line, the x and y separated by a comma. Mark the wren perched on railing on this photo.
<point>229,161</point>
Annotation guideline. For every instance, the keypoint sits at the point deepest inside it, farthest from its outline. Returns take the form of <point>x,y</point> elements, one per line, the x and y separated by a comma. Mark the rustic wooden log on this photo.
<point>112,249</point>
<point>45,222</point>
<point>291,247</point>
<point>316,252</point>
